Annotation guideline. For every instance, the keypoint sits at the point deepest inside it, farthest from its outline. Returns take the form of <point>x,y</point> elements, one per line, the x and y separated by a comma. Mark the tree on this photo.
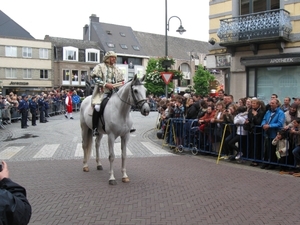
<point>154,82</point>
<point>201,80</point>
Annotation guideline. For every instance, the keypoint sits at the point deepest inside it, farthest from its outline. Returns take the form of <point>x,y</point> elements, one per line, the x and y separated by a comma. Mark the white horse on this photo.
<point>117,121</point>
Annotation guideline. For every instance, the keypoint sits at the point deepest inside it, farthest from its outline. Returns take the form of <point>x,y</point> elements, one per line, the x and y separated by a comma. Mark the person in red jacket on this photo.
<point>14,206</point>
<point>69,105</point>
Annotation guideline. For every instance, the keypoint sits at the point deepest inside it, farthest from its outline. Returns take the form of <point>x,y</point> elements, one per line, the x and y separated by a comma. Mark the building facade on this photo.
<point>25,65</point>
<point>255,46</point>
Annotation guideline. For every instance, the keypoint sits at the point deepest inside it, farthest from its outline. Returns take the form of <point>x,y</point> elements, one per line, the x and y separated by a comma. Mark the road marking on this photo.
<point>46,152</point>
<point>117,149</point>
<point>79,151</point>
<point>10,152</point>
<point>154,149</point>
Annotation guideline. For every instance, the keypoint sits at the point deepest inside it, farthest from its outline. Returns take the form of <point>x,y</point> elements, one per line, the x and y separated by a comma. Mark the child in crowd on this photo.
<point>282,145</point>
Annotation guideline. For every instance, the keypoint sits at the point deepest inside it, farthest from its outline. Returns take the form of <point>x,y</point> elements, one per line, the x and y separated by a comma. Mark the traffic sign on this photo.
<point>166,76</point>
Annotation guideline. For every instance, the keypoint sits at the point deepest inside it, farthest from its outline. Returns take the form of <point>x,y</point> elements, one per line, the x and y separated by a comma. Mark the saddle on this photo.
<point>102,108</point>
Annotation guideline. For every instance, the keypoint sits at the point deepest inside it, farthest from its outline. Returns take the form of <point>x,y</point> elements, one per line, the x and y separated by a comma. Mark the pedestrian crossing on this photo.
<point>54,151</point>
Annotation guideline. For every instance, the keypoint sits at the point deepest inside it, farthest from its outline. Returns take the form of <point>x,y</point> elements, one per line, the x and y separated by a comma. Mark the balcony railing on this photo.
<point>275,24</point>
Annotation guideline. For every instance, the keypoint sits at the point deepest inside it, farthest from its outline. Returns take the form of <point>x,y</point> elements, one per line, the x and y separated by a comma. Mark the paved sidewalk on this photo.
<point>169,189</point>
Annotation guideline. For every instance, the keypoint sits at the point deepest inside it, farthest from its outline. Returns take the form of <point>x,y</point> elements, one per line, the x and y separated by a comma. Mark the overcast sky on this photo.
<point>66,18</point>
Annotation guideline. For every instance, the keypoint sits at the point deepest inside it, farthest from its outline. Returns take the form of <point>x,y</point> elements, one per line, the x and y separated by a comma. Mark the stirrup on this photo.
<point>95,132</point>
<point>132,130</point>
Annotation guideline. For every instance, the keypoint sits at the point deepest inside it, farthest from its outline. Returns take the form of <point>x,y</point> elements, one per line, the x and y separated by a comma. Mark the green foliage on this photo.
<point>202,79</point>
<point>154,82</point>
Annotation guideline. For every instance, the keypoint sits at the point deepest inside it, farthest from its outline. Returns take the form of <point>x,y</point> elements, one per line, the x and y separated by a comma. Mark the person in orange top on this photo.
<point>204,121</point>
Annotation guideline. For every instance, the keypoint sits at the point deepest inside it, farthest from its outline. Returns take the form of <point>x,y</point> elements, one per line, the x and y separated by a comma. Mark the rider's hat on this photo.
<point>109,54</point>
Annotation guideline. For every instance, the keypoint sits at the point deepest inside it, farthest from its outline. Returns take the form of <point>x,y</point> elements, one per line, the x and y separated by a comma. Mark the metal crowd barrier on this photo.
<point>55,108</point>
<point>255,146</point>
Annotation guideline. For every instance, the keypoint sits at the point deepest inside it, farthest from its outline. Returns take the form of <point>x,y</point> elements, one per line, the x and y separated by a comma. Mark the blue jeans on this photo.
<point>296,153</point>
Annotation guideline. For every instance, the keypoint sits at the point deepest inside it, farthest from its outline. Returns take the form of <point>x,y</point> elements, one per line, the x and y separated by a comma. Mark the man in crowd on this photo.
<point>33,106</point>
<point>272,122</point>
<point>23,109</point>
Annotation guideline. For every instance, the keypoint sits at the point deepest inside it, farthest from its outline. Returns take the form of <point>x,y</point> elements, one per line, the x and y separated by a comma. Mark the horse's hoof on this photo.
<point>125,180</point>
<point>86,169</point>
<point>112,182</point>
<point>99,167</point>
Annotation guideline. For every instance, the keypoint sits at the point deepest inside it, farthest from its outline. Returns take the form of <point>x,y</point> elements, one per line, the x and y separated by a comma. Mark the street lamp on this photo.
<point>180,30</point>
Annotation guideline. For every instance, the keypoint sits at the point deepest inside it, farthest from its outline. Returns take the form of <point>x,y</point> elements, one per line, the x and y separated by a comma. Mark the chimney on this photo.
<point>94,18</point>
<point>85,30</point>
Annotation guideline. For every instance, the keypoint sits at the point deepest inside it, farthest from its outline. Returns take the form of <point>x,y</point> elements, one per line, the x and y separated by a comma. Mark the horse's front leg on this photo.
<point>111,157</point>
<point>97,145</point>
<point>124,141</point>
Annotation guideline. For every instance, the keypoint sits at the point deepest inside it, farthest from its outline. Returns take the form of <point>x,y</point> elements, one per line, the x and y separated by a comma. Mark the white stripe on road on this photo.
<point>79,151</point>
<point>10,152</point>
<point>117,149</point>
<point>154,149</point>
<point>46,152</point>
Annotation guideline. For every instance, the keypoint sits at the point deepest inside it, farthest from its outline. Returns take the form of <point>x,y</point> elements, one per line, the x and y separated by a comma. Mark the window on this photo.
<point>75,75</point>
<point>11,51</point>
<point>44,74</point>
<point>43,53</point>
<point>92,55</point>
<point>66,75</point>
<point>137,48</point>
<point>27,74</point>
<point>83,75</point>
<point>122,34</point>
<point>26,52</point>
<point>254,6</point>
<point>109,44</point>
<point>123,46</point>
<point>10,73</point>
<point>70,53</point>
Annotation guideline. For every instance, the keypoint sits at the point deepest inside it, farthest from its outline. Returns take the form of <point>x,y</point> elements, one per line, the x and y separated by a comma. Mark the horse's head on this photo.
<point>138,92</point>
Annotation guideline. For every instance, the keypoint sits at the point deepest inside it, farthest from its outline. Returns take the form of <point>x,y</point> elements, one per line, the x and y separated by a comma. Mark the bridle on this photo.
<point>137,103</point>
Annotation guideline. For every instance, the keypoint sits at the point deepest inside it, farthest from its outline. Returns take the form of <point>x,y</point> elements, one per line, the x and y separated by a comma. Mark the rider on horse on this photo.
<point>105,75</point>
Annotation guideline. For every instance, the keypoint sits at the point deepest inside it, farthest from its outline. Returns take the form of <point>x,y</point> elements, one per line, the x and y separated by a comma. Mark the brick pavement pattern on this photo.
<point>164,190</point>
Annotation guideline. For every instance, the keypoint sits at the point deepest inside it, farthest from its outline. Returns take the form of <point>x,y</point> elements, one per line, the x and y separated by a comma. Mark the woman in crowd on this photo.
<point>252,125</point>
<point>228,117</point>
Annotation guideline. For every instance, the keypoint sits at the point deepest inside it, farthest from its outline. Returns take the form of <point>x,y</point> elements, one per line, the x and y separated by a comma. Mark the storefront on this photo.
<point>30,87</point>
<point>274,74</point>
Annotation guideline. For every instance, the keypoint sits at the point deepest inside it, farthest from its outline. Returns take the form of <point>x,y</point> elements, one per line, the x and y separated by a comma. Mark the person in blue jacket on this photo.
<point>41,104</point>
<point>272,122</point>
<point>33,107</point>
<point>23,109</point>
<point>14,206</point>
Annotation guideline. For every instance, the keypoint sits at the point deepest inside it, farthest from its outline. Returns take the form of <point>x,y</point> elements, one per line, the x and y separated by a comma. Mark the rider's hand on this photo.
<point>109,86</point>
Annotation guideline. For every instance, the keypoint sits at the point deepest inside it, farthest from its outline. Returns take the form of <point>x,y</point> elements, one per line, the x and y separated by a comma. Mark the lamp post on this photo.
<point>180,30</point>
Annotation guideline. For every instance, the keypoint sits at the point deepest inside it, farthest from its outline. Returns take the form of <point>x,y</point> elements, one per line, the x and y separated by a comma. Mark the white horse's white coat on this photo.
<point>118,123</point>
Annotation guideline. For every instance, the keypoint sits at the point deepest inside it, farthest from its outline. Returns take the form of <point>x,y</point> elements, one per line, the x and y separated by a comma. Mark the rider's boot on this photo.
<point>95,123</point>
<point>132,130</point>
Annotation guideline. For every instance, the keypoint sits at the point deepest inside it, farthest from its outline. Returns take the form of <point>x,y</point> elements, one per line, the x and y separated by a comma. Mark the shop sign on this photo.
<point>18,83</point>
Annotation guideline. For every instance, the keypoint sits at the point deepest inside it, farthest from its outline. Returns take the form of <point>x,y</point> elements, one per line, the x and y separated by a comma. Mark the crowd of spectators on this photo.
<point>47,102</point>
<point>248,128</point>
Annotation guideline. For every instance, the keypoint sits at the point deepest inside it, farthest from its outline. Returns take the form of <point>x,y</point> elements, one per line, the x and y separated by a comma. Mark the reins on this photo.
<point>136,102</point>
